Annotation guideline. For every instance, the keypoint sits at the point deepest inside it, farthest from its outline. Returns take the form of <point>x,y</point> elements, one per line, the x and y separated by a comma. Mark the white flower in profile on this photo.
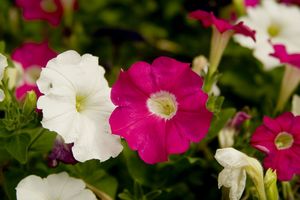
<point>274,23</point>
<point>3,65</point>
<point>296,105</point>
<point>56,186</point>
<point>76,104</point>
<point>236,164</point>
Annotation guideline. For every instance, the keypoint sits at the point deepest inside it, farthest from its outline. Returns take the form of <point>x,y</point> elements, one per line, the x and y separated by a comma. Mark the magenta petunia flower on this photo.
<point>279,139</point>
<point>251,3</point>
<point>32,57</point>
<point>49,10</point>
<point>281,53</point>
<point>209,19</point>
<point>160,108</point>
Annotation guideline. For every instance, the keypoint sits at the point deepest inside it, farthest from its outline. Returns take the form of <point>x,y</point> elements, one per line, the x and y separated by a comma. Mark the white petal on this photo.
<point>3,64</point>
<point>235,179</point>
<point>32,188</point>
<point>2,95</point>
<point>296,105</point>
<point>231,158</point>
<point>56,186</point>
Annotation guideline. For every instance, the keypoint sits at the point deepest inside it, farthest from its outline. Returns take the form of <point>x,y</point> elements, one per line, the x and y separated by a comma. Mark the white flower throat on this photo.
<point>80,102</point>
<point>162,104</point>
<point>284,140</point>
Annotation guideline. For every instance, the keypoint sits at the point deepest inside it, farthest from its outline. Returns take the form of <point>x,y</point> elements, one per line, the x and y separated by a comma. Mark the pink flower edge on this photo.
<point>209,19</point>
<point>284,57</point>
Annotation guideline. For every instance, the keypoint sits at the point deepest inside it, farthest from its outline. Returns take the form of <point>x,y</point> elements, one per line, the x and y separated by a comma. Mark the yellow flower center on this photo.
<point>273,30</point>
<point>284,140</point>
<point>163,104</point>
<point>48,6</point>
<point>80,102</point>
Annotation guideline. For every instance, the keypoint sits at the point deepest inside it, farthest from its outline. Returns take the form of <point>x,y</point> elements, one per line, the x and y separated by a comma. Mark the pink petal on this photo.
<point>141,75</point>
<point>166,72</point>
<point>146,135</point>
<point>194,125</point>
<point>124,92</point>
<point>263,139</point>
<point>124,118</point>
<point>22,90</point>
<point>272,125</point>
<point>32,10</point>
<point>251,3</point>
<point>33,54</point>
<point>281,53</point>
<point>285,121</point>
<point>281,163</point>
<point>176,140</point>
<point>208,19</point>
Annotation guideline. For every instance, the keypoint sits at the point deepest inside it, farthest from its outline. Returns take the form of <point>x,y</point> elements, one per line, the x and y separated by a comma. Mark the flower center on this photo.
<point>80,102</point>
<point>48,6</point>
<point>273,30</point>
<point>163,104</point>
<point>32,74</point>
<point>284,140</point>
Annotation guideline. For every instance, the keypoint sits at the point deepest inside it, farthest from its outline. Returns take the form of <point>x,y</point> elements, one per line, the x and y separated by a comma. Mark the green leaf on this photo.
<point>139,171</point>
<point>2,46</point>
<point>219,122</point>
<point>17,146</point>
<point>42,140</point>
<point>98,179</point>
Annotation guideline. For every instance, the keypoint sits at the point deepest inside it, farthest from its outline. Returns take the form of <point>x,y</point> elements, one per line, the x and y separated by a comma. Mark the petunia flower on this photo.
<point>222,32</point>
<point>29,59</point>
<point>61,152</point>
<point>279,139</point>
<point>161,108</point>
<point>48,10</point>
<point>226,135</point>
<point>3,65</point>
<point>296,105</point>
<point>56,186</point>
<point>291,77</point>
<point>271,26</point>
<point>251,3</point>
<point>236,165</point>
<point>76,104</point>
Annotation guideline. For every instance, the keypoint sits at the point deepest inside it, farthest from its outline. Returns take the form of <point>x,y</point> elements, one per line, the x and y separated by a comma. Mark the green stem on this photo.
<point>287,191</point>
<point>289,83</point>
<point>98,193</point>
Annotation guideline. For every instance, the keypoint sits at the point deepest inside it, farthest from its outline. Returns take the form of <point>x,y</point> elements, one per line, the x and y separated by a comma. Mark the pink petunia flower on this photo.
<point>291,77</point>
<point>161,108</point>
<point>251,3</point>
<point>32,57</point>
<point>209,19</point>
<point>281,53</point>
<point>222,32</point>
<point>49,10</point>
<point>279,139</point>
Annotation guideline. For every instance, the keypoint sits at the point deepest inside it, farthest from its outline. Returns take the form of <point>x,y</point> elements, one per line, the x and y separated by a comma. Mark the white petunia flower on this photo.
<point>56,186</point>
<point>274,23</point>
<point>236,164</point>
<point>3,65</point>
<point>76,104</point>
